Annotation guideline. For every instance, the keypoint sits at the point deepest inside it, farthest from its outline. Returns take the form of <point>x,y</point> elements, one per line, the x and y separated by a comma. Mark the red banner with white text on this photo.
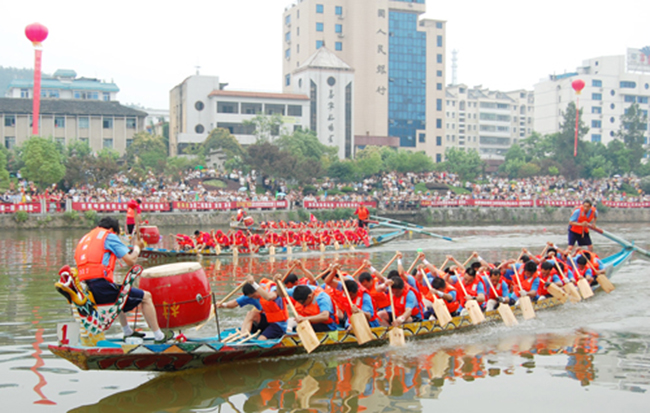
<point>334,205</point>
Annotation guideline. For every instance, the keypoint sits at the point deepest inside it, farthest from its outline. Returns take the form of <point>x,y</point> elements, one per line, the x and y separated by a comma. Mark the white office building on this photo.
<point>612,84</point>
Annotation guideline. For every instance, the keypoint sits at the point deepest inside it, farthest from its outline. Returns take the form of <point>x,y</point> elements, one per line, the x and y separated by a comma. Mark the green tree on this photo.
<point>43,162</point>
<point>264,127</point>
<point>344,171</point>
<point>369,161</point>
<point>305,145</point>
<point>147,152</point>
<point>221,138</point>
<point>634,128</point>
<point>515,159</point>
<point>467,165</point>
<point>79,164</point>
<point>4,174</point>
<point>572,166</point>
<point>619,156</point>
<point>270,160</point>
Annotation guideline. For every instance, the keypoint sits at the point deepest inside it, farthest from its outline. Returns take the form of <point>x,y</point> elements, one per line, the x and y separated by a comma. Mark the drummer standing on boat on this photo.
<point>133,215</point>
<point>581,220</point>
<point>96,255</point>
<point>363,214</point>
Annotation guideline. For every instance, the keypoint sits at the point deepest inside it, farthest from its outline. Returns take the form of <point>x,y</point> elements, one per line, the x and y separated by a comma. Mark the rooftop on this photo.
<point>258,95</point>
<point>20,106</point>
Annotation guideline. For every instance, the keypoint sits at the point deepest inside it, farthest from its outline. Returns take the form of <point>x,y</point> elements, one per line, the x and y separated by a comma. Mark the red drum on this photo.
<point>181,293</point>
<point>249,221</point>
<point>150,234</point>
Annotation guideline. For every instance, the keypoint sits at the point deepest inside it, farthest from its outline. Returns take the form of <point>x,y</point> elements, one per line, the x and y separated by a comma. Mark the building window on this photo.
<point>319,44</point>
<point>612,120</point>
<point>287,37</point>
<point>199,105</point>
<point>130,123</point>
<point>319,8</point>
<point>107,144</point>
<point>596,96</point>
<point>10,142</point>
<point>107,123</point>
<point>199,128</point>
<point>248,108</point>
<point>271,109</point>
<point>596,83</point>
<point>230,107</point>
<point>53,94</point>
<point>10,121</point>
<point>438,25</point>
<point>129,142</point>
<point>439,123</point>
<point>439,41</point>
<point>287,20</point>
<point>629,98</point>
<point>338,10</point>
<point>438,86</point>
<point>24,93</point>
<point>438,140</point>
<point>439,73</point>
<point>438,158</point>
<point>84,123</point>
<point>297,128</point>
<point>294,110</point>
<point>439,58</point>
<point>287,54</point>
<point>596,123</point>
<point>595,137</point>
<point>438,104</point>
<point>626,84</point>
<point>287,80</point>
<point>642,99</point>
<point>319,27</point>
<point>596,109</point>
<point>422,137</point>
<point>338,46</point>
<point>338,28</point>
<point>105,96</point>
<point>59,121</point>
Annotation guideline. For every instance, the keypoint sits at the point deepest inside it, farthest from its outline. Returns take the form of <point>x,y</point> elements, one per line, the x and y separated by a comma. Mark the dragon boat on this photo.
<point>373,241</point>
<point>220,349</point>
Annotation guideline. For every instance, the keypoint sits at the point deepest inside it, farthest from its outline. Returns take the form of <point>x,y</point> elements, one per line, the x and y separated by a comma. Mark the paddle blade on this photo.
<point>396,337</point>
<point>307,336</point>
<point>507,315</point>
<point>361,328</point>
<point>442,313</point>
<point>585,288</point>
<point>605,284</point>
<point>557,293</point>
<point>289,249</point>
<point>527,308</point>
<point>475,313</point>
<point>572,291</point>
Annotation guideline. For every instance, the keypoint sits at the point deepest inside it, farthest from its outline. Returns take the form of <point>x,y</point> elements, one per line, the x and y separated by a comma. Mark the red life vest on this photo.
<point>207,239</point>
<point>471,290</point>
<point>271,309</point>
<point>400,302</point>
<point>313,308</point>
<point>498,287</point>
<point>526,283</point>
<point>542,290</point>
<point>358,301</point>
<point>454,304</point>
<point>583,218</point>
<point>380,300</point>
<point>89,255</point>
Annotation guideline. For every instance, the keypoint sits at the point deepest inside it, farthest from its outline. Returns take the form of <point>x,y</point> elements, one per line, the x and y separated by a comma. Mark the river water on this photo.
<point>580,357</point>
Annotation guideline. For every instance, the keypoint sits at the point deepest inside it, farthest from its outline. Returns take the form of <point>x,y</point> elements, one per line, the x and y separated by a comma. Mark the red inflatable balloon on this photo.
<point>36,32</point>
<point>578,85</point>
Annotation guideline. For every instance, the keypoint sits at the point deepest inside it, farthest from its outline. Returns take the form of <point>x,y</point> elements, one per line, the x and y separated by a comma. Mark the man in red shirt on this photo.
<point>363,214</point>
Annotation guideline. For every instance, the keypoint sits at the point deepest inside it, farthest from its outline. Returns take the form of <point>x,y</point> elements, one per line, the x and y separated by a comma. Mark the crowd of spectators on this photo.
<point>391,190</point>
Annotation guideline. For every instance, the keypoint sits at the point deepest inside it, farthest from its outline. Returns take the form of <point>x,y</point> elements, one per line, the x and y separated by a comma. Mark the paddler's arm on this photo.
<point>451,258</point>
<point>229,304</point>
<point>269,296</point>
<point>330,281</point>
<point>531,256</point>
<point>400,266</point>
<point>323,317</point>
<point>307,273</point>
<point>131,258</point>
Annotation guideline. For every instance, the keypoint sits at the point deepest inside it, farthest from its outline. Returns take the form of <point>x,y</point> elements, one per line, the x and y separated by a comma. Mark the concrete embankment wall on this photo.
<point>437,217</point>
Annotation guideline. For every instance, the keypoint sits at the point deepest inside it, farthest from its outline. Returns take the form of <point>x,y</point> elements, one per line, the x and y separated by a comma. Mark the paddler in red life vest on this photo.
<point>407,308</point>
<point>547,274</point>
<point>529,282</point>
<point>269,315</point>
<point>581,220</point>
<point>184,242</point>
<point>203,240</point>
<point>361,299</point>
<point>133,218</point>
<point>314,305</point>
<point>96,255</point>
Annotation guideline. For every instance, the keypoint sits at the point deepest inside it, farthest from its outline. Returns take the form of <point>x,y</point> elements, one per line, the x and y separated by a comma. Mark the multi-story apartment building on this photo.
<point>612,84</point>
<point>100,124</point>
<point>64,84</point>
<point>487,121</point>
<point>398,59</point>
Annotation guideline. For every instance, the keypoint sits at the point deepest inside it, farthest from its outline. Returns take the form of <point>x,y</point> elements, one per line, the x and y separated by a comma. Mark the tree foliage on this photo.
<point>265,127</point>
<point>43,162</point>
<point>220,138</point>
<point>467,165</point>
<point>4,174</point>
<point>147,152</point>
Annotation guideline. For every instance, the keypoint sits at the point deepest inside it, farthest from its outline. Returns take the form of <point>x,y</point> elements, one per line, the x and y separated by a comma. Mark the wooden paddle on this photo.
<point>603,281</point>
<point>388,265</point>
<point>306,332</point>
<point>213,312</point>
<point>358,320</point>
<point>583,284</point>
<point>504,309</point>
<point>474,310</point>
<point>396,334</point>
<point>415,261</point>
<point>571,290</point>
<point>524,301</point>
<point>439,307</point>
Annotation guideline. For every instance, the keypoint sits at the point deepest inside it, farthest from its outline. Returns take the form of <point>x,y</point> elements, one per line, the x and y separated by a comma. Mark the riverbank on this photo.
<point>430,217</point>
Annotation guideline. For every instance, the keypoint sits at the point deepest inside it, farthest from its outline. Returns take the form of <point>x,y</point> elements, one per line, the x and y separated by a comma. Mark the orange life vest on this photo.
<point>590,216</point>
<point>454,304</point>
<point>313,308</point>
<point>358,301</point>
<point>89,255</point>
<point>381,300</point>
<point>526,283</point>
<point>271,309</point>
<point>400,302</point>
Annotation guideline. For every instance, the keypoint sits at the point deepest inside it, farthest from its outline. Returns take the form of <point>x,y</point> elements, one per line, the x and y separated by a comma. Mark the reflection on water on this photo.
<point>375,381</point>
<point>593,344</point>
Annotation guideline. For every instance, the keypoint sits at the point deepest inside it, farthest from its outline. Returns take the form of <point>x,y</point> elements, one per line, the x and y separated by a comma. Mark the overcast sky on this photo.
<point>148,47</point>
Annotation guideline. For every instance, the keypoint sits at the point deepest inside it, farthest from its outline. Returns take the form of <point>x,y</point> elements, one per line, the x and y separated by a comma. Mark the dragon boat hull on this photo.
<point>113,355</point>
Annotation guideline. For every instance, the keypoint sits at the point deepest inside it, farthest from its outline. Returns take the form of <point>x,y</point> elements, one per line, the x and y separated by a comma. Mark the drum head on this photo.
<point>171,269</point>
